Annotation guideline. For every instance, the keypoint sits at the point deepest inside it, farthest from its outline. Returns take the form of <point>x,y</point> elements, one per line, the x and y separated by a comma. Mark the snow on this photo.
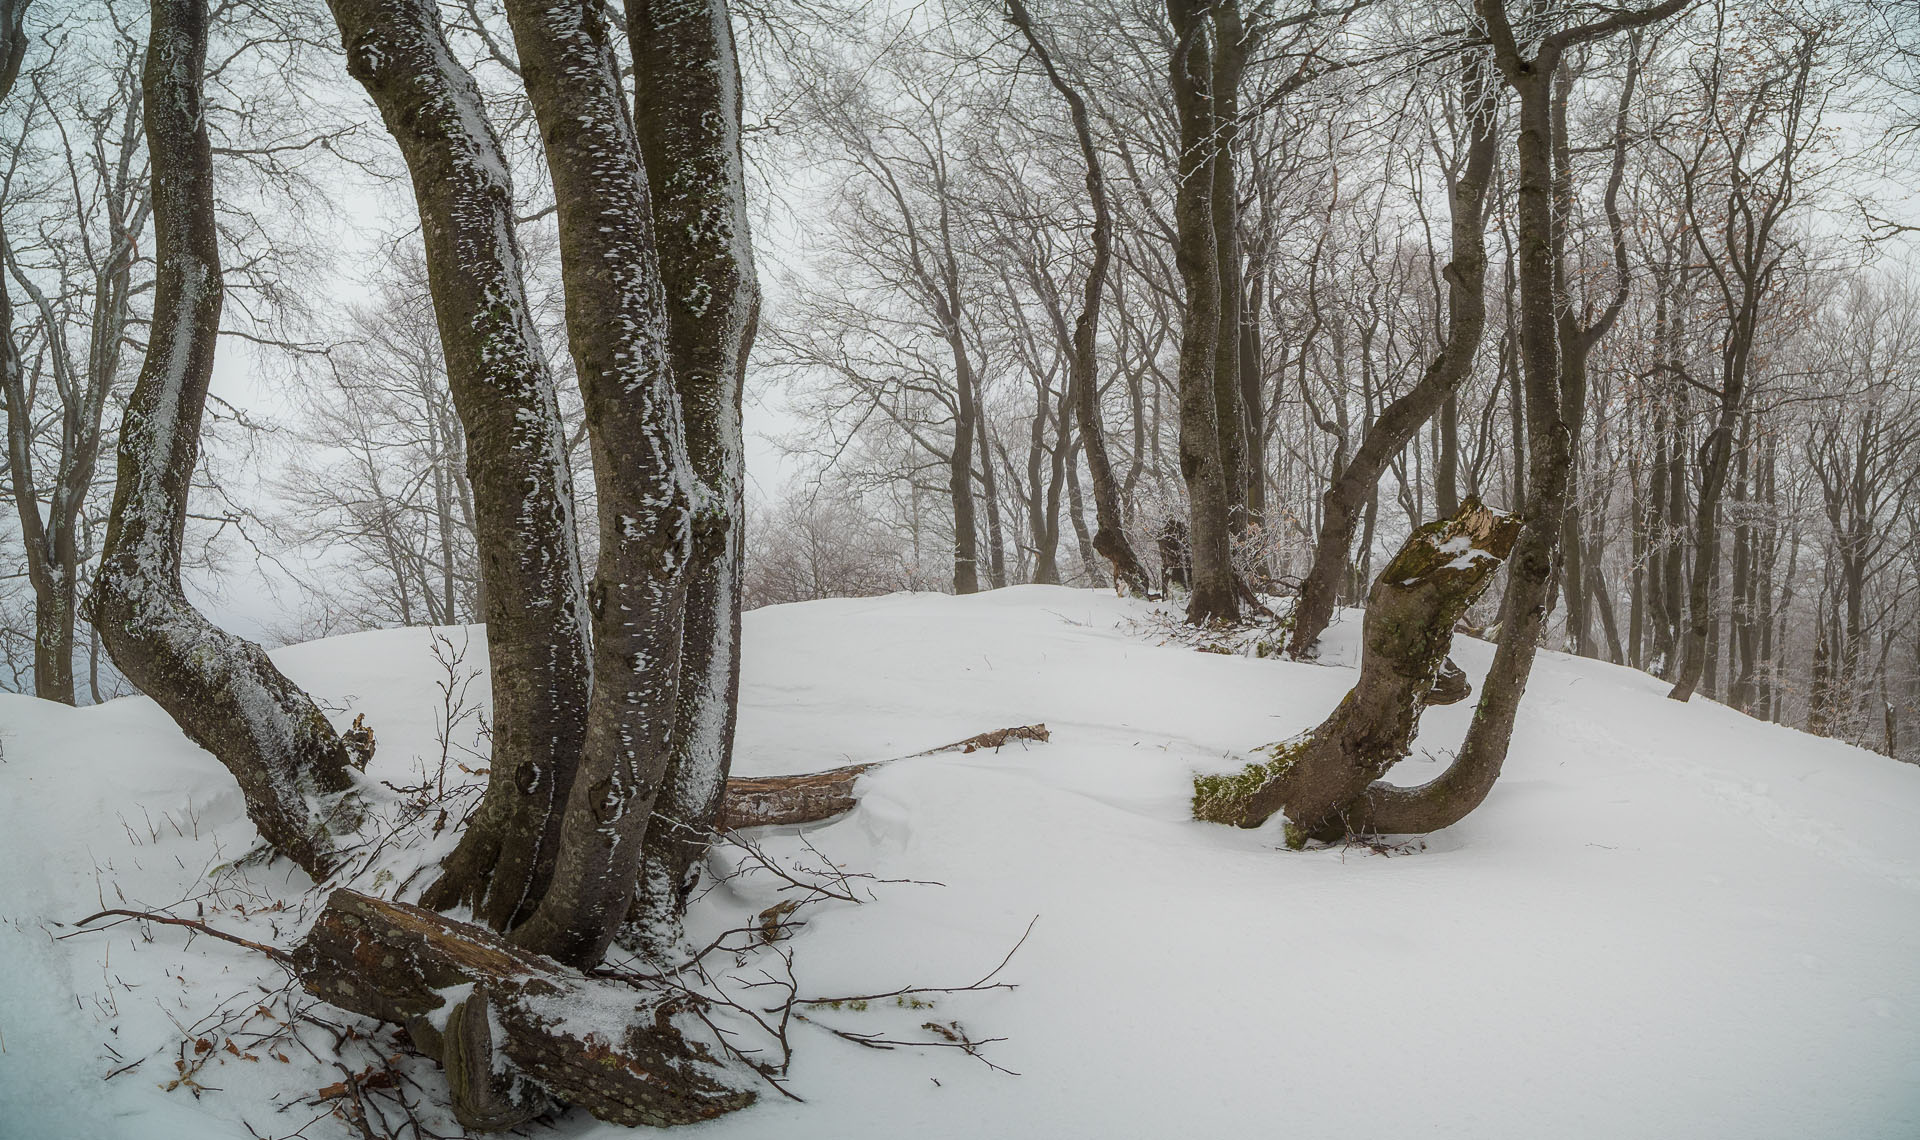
<point>1667,920</point>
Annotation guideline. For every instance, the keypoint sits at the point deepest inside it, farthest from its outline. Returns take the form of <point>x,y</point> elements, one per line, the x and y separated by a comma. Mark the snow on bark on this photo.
<point>617,327</point>
<point>687,126</point>
<point>220,689</point>
<point>523,494</point>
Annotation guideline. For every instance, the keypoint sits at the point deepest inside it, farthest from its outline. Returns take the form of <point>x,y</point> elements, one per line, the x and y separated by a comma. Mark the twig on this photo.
<point>273,952</point>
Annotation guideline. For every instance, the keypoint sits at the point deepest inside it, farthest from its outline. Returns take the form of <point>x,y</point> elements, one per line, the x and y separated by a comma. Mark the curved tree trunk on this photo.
<point>617,326</point>
<point>516,453</point>
<point>1110,535</point>
<point>687,119</point>
<point>221,689</point>
<point>1320,778</point>
<point>1466,276</point>
<point>1448,798</point>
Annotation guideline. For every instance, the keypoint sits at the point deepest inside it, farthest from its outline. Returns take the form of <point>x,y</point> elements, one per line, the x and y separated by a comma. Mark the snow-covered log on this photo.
<point>1320,778</point>
<point>222,690</point>
<point>774,801</point>
<point>516,1030</point>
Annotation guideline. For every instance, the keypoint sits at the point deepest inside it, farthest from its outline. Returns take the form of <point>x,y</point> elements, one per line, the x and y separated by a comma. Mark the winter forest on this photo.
<point>573,565</point>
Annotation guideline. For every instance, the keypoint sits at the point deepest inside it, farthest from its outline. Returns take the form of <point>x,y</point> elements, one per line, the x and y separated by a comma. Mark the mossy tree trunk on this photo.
<point>1320,779</point>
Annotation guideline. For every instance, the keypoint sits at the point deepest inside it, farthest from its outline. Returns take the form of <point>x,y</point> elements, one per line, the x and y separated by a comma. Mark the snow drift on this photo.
<point>1667,920</point>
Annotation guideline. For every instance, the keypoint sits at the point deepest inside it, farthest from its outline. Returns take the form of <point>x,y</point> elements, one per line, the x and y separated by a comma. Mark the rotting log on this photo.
<point>517,1031</point>
<point>1320,777</point>
<point>775,801</point>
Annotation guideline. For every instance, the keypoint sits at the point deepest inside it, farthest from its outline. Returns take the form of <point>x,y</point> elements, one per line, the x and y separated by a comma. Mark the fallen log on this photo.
<point>1320,777</point>
<point>516,1031</point>
<point>772,801</point>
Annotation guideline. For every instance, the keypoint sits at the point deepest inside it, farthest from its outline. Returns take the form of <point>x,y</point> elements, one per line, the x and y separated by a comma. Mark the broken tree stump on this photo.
<point>773,801</point>
<point>517,1031</point>
<point>1318,777</point>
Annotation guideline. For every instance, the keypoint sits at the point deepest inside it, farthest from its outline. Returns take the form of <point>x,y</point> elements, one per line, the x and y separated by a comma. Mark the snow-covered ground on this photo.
<point>1667,921</point>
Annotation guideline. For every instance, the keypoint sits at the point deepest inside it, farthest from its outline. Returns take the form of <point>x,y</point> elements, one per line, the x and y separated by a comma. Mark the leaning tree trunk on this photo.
<point>1213,594</point>
<point>1110,535</point>
<point>617,327</point>
<point>532,591</point>
<point>687,119</point>
<point>1320,778</point>
<point>221,689</point>
<point>1466,275</point>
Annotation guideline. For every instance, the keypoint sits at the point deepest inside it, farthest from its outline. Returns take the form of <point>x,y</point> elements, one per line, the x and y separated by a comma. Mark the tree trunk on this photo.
<point>687,80</point>
<point>1213,596</point>
<point>222,690</point>
<point>617,327</point>
<point>1110,536</point>
<point>1476,767</point>
<point>535,609</point>
<point>1320,778</point>
<point>1466,275</point>
<point>1230,47</point>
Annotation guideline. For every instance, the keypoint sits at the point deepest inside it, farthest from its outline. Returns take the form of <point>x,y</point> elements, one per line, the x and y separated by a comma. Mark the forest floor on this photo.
<point>1667,920</point>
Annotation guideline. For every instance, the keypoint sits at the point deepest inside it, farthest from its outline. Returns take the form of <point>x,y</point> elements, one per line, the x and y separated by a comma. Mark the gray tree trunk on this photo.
<point>222,690</point>
<point>516,454</point>
<point>687,119</point>
<point>1213,594</point>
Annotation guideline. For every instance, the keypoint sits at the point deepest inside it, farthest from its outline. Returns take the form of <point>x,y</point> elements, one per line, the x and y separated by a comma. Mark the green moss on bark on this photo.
<point>1222,797</point>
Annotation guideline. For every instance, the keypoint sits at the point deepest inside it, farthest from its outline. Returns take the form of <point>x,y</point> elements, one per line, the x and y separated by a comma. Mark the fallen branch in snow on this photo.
<point>772,801</point>
<point>273,952</point>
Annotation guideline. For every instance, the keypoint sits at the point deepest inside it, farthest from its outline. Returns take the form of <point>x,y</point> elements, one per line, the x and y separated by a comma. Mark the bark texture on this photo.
<point>221,689</point>
<point>1320,779</point>
<point>617,327</point>
<point>687,119</point>
<point>516,452</point>
<point>521,1028</point>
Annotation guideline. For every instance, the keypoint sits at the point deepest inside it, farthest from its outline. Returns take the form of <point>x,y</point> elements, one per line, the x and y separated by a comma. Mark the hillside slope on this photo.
<point>1666,921</point>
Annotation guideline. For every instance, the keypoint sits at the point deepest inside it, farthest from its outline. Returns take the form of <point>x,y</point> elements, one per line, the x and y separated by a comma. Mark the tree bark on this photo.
<point>687,118</point>
<point>519,1026</point>
<point>1320,778</point>
<point>617,327</point>
<point>1213,596</point>
<point>222,690</point>
<point>535,609</point>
